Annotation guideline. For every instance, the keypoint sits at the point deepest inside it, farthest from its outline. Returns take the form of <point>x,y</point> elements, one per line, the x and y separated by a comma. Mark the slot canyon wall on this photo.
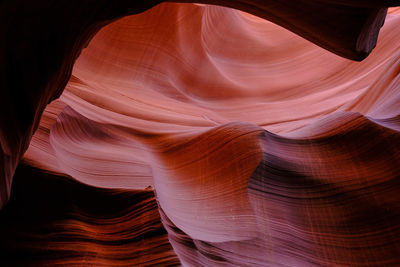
<point>220,133</point>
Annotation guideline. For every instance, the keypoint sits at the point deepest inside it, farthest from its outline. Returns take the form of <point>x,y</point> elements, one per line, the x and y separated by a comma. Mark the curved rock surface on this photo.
<point>263,149</point>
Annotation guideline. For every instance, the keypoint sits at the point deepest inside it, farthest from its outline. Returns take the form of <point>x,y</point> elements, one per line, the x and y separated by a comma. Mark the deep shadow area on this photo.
<point>52,219</point>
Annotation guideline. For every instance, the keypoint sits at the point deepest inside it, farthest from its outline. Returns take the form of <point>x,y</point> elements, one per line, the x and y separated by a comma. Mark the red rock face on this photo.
<point>251,145</point>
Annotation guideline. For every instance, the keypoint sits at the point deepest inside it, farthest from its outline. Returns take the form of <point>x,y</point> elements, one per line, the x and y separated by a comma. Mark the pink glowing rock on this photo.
<point>262,148</point>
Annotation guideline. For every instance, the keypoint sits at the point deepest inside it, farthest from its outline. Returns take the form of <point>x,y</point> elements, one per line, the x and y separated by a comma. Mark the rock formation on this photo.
<point>208,134</point>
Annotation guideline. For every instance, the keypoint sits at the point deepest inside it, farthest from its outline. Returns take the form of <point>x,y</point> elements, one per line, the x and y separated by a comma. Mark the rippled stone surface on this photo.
<point>251,145</point>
